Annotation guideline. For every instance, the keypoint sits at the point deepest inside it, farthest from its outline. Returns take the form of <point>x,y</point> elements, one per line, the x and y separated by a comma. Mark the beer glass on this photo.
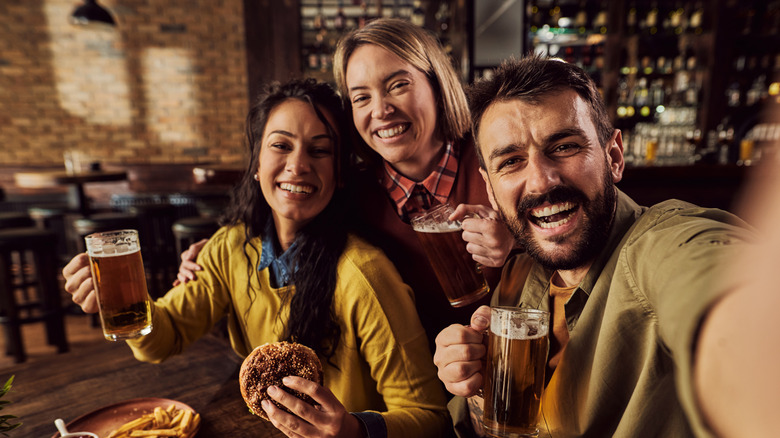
<point>514,371</point>
<point>459,275</point>
<point>120,283</point>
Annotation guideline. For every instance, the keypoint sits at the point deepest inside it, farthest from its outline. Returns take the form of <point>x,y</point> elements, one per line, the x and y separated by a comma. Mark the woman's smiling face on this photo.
<point>296,168</point>
<point>393,107</point>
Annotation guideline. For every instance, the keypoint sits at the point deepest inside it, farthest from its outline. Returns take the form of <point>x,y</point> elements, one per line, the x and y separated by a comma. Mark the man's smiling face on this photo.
<point>550,178</point>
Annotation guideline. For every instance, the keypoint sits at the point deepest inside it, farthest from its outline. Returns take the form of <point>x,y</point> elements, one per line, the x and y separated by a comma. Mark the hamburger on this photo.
<point>267,364</point>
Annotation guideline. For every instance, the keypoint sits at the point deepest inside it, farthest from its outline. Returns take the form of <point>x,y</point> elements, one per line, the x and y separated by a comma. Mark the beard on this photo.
<point>586,244</point>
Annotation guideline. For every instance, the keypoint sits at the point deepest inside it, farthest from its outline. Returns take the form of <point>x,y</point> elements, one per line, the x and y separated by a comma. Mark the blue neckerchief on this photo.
<point>280,268</point>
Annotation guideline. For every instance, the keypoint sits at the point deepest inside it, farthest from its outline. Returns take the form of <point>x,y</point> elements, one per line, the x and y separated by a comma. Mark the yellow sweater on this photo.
<point>383,363</point>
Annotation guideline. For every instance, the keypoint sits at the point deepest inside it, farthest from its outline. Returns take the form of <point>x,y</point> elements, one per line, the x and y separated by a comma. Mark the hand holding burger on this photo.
<point>282,382</point>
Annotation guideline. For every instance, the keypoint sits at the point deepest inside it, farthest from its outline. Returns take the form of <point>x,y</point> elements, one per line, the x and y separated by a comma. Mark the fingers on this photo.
<point>187,271</point>
<point>298,424</point>
<point>74,266</point>
<point>188,266</point>
<point>458,357</point>
<point>464,211</point>
<point>480,319</point>
<point>78,283</point>
<point>488,240</point>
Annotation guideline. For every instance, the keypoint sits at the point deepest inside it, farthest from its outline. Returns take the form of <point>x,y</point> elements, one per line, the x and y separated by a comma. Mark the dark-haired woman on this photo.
<point>284,267</point>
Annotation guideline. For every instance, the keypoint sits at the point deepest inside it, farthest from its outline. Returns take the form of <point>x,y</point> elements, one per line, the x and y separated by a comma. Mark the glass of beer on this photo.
<point>459,275</point>
<point>514,372</point>
<point>120,283</point>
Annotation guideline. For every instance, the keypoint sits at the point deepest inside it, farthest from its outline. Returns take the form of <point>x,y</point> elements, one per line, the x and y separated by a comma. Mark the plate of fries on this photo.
<point>141,417</point>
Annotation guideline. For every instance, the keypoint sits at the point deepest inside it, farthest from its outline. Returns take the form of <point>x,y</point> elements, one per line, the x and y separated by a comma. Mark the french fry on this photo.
<point>155,432</point>
<point>161,422</point>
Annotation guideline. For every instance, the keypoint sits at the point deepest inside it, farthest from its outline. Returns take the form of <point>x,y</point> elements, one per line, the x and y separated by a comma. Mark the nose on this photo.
<point>542,174</point>
<point>298,162</point>
<point>382,108</point>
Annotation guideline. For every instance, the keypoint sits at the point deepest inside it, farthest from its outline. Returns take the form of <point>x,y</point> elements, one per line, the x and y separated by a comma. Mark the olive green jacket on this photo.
<point>633,320</point>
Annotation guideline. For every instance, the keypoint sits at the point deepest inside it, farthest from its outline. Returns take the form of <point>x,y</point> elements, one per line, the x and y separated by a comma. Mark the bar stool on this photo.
<point>13,219</point>
<point>157,245</point>
<point>54,218</point>
<point>192,229</point>
<point>29,293</point>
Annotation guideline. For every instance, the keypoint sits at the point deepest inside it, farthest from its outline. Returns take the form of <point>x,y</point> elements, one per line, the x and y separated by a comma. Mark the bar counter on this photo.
<point>69,385</point>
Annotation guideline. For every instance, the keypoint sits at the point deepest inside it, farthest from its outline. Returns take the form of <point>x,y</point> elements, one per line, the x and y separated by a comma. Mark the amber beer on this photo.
<point>120,283</point>
<point>459,275</point>
<point>514,373</point>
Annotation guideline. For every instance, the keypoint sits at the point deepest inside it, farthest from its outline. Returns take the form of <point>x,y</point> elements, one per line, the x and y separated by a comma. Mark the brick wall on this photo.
<point>166,85</point>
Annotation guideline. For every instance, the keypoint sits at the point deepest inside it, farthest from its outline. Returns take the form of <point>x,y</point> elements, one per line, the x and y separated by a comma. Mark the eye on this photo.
<point>280,146</point>
<point>359,100</point>
<point>565,149</point>
<point>396,86</point>
<point>509,163</point>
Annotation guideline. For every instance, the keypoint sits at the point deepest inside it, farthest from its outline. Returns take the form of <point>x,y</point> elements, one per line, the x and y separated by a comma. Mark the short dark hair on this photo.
<point>530,79</point>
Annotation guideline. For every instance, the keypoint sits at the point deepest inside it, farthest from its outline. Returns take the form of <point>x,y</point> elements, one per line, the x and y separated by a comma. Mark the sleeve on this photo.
<point>188,311</point>
<point>395,346</point>
<point>675,268</point>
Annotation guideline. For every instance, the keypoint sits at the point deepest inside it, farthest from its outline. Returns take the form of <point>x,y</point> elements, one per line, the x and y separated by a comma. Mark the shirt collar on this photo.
<point>437,185</point>
<point>280,267</point>
<point>626,214</point>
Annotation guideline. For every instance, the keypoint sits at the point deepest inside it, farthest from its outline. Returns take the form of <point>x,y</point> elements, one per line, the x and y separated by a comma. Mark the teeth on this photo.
<point>392,132</point>
<point>551,210</point>
<point>547,225</point>
<point>295,188</point>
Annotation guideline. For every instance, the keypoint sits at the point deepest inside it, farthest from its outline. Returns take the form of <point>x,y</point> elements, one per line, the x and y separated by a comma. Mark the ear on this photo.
<point>614,152</point>
<point>489,189</point>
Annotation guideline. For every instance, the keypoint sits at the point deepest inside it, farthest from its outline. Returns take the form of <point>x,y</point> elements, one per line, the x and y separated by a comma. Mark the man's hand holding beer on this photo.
<point>460,354</point>
<point>78,282</point>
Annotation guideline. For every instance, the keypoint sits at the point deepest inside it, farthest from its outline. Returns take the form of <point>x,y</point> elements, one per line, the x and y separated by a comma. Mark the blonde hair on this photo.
<point>416,46</point>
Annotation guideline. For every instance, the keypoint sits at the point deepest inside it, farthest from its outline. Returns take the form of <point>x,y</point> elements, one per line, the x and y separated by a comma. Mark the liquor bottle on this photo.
<point>678,18</point>
<point>600,20</point>
<point>696,21</point>
<point>418,13</point>
<point>734,95</point>
<point>757,92</point>
<point>340,20</point>
<point>631,19</point>
<point>363,18</point>
<point>651,20</point>
<point>581,17</point>
<point>443,19</point>
<point>319,19</point>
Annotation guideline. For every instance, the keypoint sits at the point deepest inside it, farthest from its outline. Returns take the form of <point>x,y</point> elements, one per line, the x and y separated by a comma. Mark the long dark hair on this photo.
<point>319,243</point>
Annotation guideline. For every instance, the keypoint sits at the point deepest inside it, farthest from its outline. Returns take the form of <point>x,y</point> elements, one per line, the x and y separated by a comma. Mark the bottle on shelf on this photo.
<point>418,13</point>
<point>696,20</point>
<point>319,19</point>
<point>340,20</point>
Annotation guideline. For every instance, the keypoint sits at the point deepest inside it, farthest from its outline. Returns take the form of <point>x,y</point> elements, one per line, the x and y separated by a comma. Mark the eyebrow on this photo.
<point>384,79</point>
<point>563,133</point>
<point>550,139</point>
<point>290,134</point>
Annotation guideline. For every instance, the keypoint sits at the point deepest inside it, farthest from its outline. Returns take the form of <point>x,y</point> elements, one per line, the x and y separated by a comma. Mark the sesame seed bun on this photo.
<point>268,364</point>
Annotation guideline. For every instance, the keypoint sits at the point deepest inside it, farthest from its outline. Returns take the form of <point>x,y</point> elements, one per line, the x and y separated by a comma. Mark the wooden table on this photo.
<point>69,385</point>
<point>75,183</point>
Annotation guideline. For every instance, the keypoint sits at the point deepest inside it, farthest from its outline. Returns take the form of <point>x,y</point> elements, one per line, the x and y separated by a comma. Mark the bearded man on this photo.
<point>629,287</point>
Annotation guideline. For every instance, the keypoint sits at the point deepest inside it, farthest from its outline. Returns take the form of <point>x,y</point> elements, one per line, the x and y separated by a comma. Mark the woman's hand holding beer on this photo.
<point>488,239</point>
<point>78,283</point>
<point>460,354</point>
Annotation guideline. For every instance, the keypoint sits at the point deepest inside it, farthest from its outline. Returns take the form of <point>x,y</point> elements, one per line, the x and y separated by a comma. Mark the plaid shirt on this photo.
<point>412,197</point>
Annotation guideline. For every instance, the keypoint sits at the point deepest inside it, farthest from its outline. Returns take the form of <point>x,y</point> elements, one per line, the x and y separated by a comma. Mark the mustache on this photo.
<point>555,195</point>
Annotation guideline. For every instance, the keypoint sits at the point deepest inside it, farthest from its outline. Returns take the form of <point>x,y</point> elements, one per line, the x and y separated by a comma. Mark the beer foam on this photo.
<point>112,250</point>
<point>529,329</point>
<point>432,227</point>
